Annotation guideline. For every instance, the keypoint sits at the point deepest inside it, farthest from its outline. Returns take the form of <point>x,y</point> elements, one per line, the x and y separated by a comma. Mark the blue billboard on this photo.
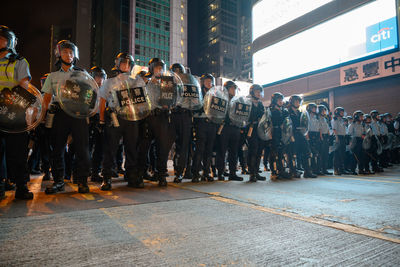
<point>382,36</point>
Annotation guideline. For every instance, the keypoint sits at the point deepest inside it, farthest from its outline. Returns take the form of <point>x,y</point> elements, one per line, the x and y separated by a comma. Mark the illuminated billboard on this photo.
<point>367,30</point>
<point>271,14</point>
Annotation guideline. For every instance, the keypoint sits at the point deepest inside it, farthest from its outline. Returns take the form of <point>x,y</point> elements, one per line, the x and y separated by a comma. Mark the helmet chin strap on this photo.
<point>65,63</point>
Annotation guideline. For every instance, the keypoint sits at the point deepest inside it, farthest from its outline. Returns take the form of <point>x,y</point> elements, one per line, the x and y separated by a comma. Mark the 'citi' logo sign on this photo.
<point>382,36</point>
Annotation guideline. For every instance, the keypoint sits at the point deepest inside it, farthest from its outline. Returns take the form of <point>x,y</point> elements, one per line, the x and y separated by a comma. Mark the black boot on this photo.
<point>253,178</point>
<point>135,181</point>
<point>22,192</point>
<point>309,175</point>
<point>178,179</point>
<point>46,176</point>
<point>56,187</point>
<point>260,178</point>
<point>95,177</point>
<point>208,178</point>
<point>162,180</point>
<point>106,185</point>
<point>8,185</point>
<point>196,178</point>
<point>2,190</point>
<point>83,186</point>
<point>234,177</point>
<point>221,177</point>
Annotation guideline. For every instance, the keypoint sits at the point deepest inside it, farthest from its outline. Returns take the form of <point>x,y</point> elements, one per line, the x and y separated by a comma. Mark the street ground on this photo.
<point>331,220</point>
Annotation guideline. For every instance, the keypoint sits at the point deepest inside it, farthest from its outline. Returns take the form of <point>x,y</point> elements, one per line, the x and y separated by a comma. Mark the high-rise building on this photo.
<point>145,28</point>
<point>214,36</point>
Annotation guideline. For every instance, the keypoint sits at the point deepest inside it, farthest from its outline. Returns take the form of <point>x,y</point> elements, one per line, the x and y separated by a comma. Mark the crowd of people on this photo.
<point>292,142</point>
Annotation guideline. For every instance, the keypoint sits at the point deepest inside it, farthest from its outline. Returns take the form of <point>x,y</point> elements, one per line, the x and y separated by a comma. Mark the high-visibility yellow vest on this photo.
<point>7,80</point>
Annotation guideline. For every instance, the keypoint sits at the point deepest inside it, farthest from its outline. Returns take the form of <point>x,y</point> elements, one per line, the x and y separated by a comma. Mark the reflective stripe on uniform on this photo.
<point>7,80</point>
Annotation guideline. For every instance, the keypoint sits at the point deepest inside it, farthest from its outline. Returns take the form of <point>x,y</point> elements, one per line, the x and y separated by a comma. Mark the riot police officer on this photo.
<point>357,134</point>
<point>229,140</point>
<point>256,145</point>
<point>95,130</point>
<point>300,128</point>
<point>206,132</point>
<point>325,138</point>
<point>276,152</point>
<point>377,133</point>
<point>121,92</point>
<point>67,54</point>
<point>160,124</point>
<point>315,136</point>
<point>14,71</point>
<point>339,130</point>
<point>181,120</point>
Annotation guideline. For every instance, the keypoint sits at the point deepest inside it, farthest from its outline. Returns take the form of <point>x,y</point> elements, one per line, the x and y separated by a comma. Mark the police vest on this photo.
<point>7,79</point>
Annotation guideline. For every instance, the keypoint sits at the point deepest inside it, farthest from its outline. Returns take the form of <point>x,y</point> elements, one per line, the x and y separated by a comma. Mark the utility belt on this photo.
<point>158,111</point>
<point>181,110</point>
<point>205,120</point>
<point>313,135</point>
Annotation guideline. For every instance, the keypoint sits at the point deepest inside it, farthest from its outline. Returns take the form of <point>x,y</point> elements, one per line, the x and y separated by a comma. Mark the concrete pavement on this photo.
<point>292,222</point>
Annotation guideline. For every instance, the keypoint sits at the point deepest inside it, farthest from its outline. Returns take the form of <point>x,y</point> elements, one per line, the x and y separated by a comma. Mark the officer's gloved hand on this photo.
<point>100,126</point>
<point>285,112</point>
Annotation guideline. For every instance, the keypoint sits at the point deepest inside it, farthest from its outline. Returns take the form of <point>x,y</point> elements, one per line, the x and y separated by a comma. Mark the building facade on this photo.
<point>144,28</point>
<point>363,78</point>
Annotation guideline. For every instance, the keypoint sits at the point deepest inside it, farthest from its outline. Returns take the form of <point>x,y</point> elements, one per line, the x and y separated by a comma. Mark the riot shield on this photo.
<point>192,98</point>
<point>20,109</point>
<point>264,129</point>
<point>304,122</point>
<point>165,91</point>
<point>287,130</point>
<point>129,97</point>
<point>239,111</point>
<point>389,142</point>
<point>216,104</point>
<point>367,141</point>
<point>78,93</point>
<point>379,149</point>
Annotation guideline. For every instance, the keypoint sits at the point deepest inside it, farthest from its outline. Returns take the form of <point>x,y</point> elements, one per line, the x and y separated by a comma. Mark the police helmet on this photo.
<point>207,76</point>
<point>338,110</point>
<point>255,87</point>
<point>275,97</point>
<point>177,68</point>
<point>98,72</point>
<point>66,44</point>
<point>311,106</point>
<point>293,99</point>
<point>8,34</point>
<point>124,57</point>
<point>156,62</point>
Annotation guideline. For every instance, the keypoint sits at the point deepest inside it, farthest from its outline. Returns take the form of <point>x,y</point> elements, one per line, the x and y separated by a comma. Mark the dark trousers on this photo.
<point>96,149</point>
<point>145,137</point>
<point>229,140</point>
<point>315,147</point>
<point>160,125</point>
<point>243,150</point>
<point>129,132</point>
<point>358,155</point>
<point>267,148</point>
<point>16,155</point>
<point>64,125</point>
<point>302,151</point>
<point>206,132</point>
<point>181,130</point>
<point>256,146</point>
<point>43,140</point>
<point>324,153</point>
<point>339,155</point>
